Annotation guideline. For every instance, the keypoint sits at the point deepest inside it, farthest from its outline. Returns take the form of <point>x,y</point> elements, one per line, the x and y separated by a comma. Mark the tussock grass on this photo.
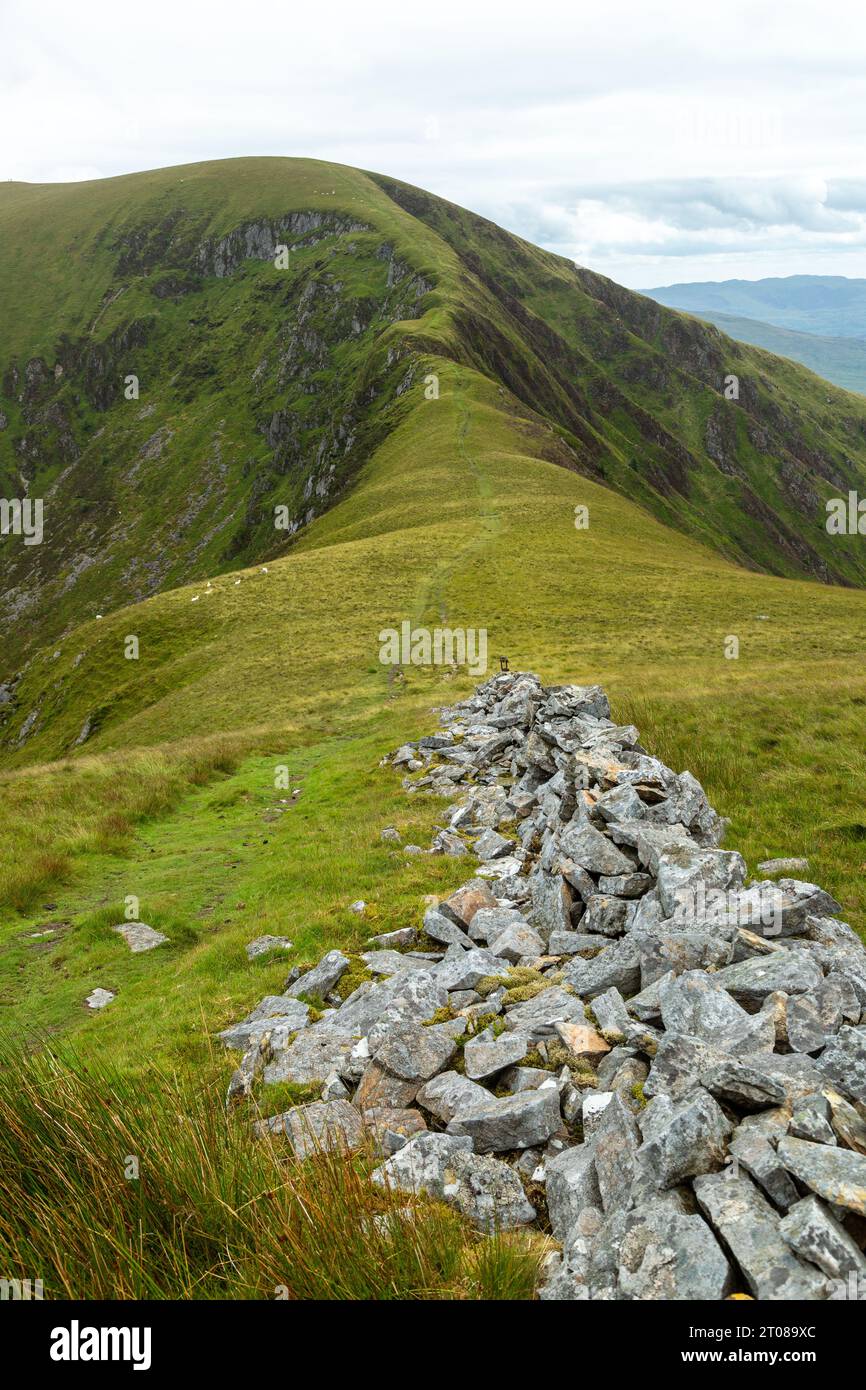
<point>53,815</point>
<point>213,1213</point>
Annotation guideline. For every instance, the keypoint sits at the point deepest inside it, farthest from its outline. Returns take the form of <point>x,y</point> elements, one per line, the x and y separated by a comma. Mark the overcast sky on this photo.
<point>653,140</point>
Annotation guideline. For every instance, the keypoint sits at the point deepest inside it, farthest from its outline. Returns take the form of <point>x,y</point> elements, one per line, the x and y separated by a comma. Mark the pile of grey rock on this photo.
<point>609,1032</point>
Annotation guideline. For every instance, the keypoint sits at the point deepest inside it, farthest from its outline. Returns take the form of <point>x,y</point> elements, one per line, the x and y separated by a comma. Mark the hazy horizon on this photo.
<point>657,147</point>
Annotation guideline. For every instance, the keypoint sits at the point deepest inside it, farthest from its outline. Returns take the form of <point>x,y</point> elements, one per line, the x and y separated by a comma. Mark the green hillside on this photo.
<point>226,776</point>
<point>840,360</point>
<point>457,509</point>
<point>264,386</point>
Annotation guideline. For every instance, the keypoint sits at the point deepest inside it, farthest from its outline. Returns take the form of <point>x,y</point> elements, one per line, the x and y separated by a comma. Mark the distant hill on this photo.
<point>840,360</point>
<point>831,305</point>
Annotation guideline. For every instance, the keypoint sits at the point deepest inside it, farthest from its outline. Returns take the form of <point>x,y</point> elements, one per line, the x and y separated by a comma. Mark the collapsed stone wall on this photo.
<point>609,1030</point>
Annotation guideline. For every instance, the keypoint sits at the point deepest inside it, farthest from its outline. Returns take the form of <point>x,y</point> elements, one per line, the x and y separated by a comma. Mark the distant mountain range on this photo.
<point>817,320</point>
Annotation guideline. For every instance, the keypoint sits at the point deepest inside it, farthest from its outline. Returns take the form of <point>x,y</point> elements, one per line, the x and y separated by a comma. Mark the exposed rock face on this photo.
<point>615,1011</point>
<point>321,368</point>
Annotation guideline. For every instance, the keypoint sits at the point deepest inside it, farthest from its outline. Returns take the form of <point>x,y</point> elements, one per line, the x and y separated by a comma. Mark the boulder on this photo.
<point>815,1235</point>
<point>319,981</point>
<point>593,851</point>
<point>741,1085</point>
<point>571,1186</point>
<point>616,967</point>
<point>422,1165</point>
<point>487,1192</point>
<point>844,1062</point>
<point>757,1156</point>
<point>513,1122</point>
<point>750,1229</point>
<point>615,1143</point>
<point>408,1057</point>
<point>462,905</point>
<point>486,1055</point>
<point>750,981</point>
<point>550,899</point>
<point>583,1041</point>
<point>463,969</point>
<point>681,1139</point>
<point>837,1175</point>
<point>657,1252</point>
<point>537,1017</point>
<point>448,1093</point>
<point>319,1127</point>
<point>441,928</point>
<point>687,875</point>
<point>518,942</point>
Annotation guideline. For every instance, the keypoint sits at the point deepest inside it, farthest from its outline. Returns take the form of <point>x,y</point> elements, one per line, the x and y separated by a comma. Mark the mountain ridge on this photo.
<point>266,387</point>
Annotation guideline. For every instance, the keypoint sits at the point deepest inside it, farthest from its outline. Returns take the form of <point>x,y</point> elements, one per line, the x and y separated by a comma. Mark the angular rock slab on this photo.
<point>486,1055</point>
<point>139,936</point>
<point>837,1175</point>
<point>422,1165</point>
<point>616,967</point>
<point>318,1128</point>
<point>744,1086</point>
<point>521,1121</point>
<point>583,1041</point>
<point>264,944</point>
<point>750,1228</point>
<point>410,1055</point>
<point>572,1188</point>
<point>275,1013</point>
<point>463,904</point>
<point>750,981</point>
<point>537,1017</point>
<point>655,1252</point>
<point>757,1155</point>
<point>487,1192</point>
<point>99,998</point>
<point>615,1142</point>
<point>322,978</point>
<point>681,1139</point>
<point>449,1093</point>
<point>593,851</point>
<point>844,1062</point>
<point>815,1234</point>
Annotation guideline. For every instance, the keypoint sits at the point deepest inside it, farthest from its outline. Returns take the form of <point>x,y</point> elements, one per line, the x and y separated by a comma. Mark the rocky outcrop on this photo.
<point>321,373</point>
<point>617,1034</point>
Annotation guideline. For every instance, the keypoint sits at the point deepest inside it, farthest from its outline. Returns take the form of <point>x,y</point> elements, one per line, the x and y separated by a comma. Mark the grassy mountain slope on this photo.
<point>155,777</point>
<point>840,360</point>
<point>283,670</point>
<point>254,383</point>
<point>831,305</point>
<point>261,386</point>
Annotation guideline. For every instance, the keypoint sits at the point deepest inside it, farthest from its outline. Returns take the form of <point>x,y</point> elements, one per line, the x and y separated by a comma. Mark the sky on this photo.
<point>653,140</point>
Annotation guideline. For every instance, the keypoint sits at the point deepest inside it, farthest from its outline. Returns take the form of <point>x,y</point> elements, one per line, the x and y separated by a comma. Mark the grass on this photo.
<point>176,809</point>
<point>479,533</point>
<point>841,360</point>
<point>59,814</point>
<point>266,387</point>
<point>116,1189</point>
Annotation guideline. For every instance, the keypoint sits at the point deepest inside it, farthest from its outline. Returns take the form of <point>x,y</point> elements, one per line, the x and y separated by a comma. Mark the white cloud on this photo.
<point>654,142</point>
